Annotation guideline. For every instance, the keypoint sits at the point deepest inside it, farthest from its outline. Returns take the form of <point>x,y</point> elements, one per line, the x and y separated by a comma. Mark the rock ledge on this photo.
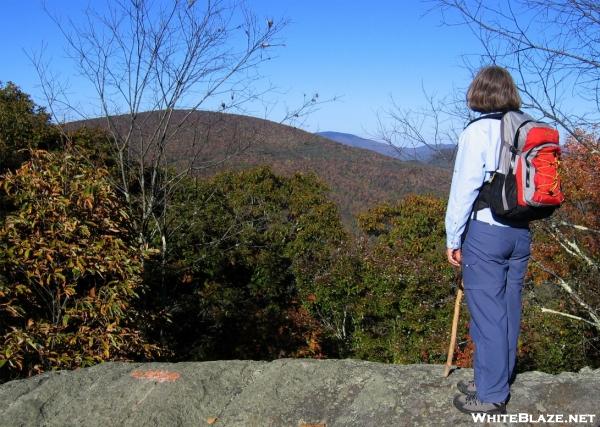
<point>283,392</point>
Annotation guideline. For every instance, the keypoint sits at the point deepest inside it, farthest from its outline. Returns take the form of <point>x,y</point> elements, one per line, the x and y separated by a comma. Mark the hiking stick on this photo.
<point>459,295</point>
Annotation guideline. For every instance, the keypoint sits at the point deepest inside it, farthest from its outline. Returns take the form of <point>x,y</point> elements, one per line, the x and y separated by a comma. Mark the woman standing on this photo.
<point>493,253</point>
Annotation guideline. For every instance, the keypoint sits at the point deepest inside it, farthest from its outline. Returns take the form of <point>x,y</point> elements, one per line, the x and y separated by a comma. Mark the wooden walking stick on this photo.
<point>459,295</point>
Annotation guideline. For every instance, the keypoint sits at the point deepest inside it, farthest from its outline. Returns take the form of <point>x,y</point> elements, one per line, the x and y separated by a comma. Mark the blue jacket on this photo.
<point>476,160</point>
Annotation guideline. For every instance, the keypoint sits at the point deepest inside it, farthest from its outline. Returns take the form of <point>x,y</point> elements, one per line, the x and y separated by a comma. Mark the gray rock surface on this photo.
<point>284,392</point>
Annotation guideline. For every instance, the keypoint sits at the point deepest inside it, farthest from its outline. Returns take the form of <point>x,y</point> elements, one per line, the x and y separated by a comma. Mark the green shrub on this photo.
<point>244,246</point>
<point>23,126</point>
<point>405,316</point>
<point>553,343</point>
<point>389,297</point>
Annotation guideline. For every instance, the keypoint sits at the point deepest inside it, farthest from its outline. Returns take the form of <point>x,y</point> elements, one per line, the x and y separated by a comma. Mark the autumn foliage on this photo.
<point>258,265</point>
<point>68,269</point>
<point>564,271</point>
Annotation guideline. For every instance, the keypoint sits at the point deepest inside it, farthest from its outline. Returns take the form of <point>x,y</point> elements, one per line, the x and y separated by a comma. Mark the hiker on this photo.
<point>493,253</point>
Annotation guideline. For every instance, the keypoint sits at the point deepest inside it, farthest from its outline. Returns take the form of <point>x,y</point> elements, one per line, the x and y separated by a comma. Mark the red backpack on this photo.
<point>526,186</point>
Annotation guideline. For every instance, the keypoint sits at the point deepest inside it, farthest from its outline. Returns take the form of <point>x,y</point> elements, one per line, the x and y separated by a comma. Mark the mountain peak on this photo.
<point>439,155</point>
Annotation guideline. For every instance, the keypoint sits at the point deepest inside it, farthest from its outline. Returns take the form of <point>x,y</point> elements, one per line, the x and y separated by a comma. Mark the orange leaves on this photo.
<point>304,330</point>
<point>572,226</point>
<point>566,249</point>
<point>88,203</point>
<point>581,168</point>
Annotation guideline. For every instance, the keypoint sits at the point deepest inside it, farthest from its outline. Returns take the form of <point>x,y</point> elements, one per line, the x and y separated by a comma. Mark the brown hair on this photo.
<point>493,89</point>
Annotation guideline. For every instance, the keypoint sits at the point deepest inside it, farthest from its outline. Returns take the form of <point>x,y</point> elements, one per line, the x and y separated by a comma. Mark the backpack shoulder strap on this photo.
<point>482,199</point>
<point>496,116</point>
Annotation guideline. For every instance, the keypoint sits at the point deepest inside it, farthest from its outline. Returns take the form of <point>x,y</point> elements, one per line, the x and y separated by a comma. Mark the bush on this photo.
<point>23,126</point>
<point>554,344</point>
<point>406,313</point>
<point>244,246</point>
<point>389,298</point>
<point>68,269</point>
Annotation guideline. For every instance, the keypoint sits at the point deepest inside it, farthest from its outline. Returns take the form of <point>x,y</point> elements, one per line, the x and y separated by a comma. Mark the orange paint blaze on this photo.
<point>160,376</point>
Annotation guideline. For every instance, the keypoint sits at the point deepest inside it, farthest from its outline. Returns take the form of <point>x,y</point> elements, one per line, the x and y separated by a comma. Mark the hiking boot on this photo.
<point>467,387</point>
<point>472,405</point>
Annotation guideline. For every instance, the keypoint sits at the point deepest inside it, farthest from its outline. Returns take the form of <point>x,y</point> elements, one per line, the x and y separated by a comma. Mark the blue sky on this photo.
<point>365,52</point>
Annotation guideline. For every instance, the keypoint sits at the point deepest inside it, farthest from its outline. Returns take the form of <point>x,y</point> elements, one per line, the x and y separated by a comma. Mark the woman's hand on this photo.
<point>454,256</point>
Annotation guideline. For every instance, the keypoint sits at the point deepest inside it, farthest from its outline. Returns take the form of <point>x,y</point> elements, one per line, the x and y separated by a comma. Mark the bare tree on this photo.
<point>435,126</point>
<point>152,64</point>
<point>552,49</point>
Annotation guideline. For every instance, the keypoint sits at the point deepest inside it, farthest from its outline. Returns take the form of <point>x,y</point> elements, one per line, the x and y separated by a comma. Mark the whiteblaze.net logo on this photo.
<point>524,417</point>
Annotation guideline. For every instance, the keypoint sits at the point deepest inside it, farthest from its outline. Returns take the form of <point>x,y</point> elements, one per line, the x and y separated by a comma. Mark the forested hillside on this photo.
<point>357,178</point>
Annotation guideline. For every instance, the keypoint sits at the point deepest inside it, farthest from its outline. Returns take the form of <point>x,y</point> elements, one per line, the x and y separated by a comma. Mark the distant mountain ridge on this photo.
<point>358,178</point>
<point>422,154</point>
